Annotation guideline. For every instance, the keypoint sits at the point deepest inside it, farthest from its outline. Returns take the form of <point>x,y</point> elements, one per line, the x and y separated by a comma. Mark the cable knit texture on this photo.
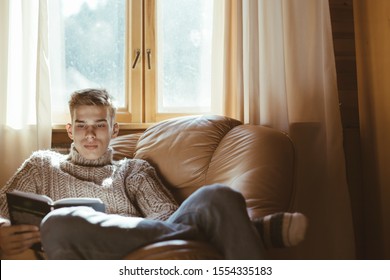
<point>129,187</point>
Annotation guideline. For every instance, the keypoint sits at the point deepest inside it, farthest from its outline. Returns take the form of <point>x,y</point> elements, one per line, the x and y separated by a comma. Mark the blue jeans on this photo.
<point>215,213</point>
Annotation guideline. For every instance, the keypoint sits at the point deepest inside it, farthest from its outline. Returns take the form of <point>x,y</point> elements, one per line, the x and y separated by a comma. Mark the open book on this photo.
<point>30,208</point>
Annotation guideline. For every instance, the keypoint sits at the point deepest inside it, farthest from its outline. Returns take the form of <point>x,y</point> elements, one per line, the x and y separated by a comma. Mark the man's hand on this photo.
<point>17,239</point>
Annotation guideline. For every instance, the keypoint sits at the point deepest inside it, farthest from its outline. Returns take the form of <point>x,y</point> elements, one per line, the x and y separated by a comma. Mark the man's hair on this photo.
<point>92,97</point>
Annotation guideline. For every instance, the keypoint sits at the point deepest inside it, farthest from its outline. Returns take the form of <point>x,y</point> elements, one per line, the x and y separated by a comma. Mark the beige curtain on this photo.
<point>274,64</point>
<point>25,124</point>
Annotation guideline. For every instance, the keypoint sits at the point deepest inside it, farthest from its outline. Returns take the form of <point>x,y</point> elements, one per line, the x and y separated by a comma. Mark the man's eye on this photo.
<point>100,125</point>
<point>80,125</point>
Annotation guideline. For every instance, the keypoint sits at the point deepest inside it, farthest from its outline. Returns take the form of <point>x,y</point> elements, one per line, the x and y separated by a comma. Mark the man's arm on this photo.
<point>16,239</point>
<point>26,179</point>
<point>150,195</point>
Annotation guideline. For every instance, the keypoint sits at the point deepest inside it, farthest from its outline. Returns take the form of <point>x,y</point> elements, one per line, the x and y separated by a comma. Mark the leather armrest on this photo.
<point>175,250</point>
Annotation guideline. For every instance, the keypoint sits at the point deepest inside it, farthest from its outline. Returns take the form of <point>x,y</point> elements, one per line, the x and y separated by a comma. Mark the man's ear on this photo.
<point>69,130</point>
<point>115,130</point>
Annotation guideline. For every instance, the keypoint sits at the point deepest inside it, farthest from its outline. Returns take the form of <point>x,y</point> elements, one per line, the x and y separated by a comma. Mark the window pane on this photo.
<point>89,39</point>
<point>184,55</point>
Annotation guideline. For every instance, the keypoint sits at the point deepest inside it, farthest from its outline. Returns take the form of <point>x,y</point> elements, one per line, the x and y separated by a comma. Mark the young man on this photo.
<point>140,210</point>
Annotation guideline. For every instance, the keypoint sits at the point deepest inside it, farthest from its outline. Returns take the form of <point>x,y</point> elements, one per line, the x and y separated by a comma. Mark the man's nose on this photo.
<point>90,133</point>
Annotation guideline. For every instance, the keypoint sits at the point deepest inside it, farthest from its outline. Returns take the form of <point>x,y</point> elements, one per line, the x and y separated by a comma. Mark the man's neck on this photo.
<point>76,158</point>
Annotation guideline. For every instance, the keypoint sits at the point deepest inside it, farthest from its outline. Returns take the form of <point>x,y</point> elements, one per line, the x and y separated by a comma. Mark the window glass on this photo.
<point>184,55</point>
<point>88,41</point>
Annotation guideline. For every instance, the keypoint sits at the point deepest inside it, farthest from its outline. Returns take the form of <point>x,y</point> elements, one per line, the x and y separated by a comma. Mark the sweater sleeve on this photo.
<point>148,193</point>
<point>26,179</point>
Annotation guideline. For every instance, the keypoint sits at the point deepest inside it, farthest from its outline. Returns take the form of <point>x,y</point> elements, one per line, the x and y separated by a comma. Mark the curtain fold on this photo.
<point>25,124</point>
<point>279,65</point>
<point>227,53</point>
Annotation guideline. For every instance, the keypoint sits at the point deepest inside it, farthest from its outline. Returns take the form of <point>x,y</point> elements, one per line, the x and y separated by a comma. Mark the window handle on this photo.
<point>149,54</point>
<point>137,55</point>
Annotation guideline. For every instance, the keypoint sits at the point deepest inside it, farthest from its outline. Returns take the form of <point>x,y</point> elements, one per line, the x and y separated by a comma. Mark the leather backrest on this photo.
<point>190,152</point>
<point>124,145</point>
<point>259,162</point>
<point>181,150</point>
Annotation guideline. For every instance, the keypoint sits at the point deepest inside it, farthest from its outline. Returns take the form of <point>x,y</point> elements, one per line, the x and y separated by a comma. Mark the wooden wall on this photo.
<point>372,37</point>
<point>342,19</point>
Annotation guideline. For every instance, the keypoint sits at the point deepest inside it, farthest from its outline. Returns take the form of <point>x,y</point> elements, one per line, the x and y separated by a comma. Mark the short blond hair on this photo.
<point>92,97</point>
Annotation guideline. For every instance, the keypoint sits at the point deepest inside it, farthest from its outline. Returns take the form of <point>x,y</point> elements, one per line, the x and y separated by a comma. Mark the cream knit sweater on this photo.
<point>129,187</point>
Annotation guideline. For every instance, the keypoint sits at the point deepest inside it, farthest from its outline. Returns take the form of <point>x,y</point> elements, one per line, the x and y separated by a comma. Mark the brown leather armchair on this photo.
<point>191,152</point>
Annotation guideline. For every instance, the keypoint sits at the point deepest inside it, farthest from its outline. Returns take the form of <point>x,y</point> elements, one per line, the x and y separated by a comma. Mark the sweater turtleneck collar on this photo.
<point>76,158</point>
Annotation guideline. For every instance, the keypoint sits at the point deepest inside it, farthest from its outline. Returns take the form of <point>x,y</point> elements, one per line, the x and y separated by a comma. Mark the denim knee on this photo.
<point>61,226</point>
<point>220,195</point>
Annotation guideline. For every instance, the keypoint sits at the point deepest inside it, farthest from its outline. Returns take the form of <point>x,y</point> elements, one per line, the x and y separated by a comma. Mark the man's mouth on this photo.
<point>90,147</point>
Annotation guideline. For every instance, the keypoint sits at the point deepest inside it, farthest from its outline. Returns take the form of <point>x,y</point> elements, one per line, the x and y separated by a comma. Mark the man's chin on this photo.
<point>91,156</point>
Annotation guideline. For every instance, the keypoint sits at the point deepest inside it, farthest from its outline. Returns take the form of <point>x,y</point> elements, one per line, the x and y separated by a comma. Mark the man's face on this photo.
<point>91,130</point>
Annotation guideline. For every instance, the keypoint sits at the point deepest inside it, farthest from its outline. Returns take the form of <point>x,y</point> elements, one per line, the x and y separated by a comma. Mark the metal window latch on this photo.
<point>137,55</point>
<point>149,54</point>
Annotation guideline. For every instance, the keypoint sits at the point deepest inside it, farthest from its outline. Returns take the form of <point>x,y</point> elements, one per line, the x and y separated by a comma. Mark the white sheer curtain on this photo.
<point>25,124</point>
<point>274,64</point>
